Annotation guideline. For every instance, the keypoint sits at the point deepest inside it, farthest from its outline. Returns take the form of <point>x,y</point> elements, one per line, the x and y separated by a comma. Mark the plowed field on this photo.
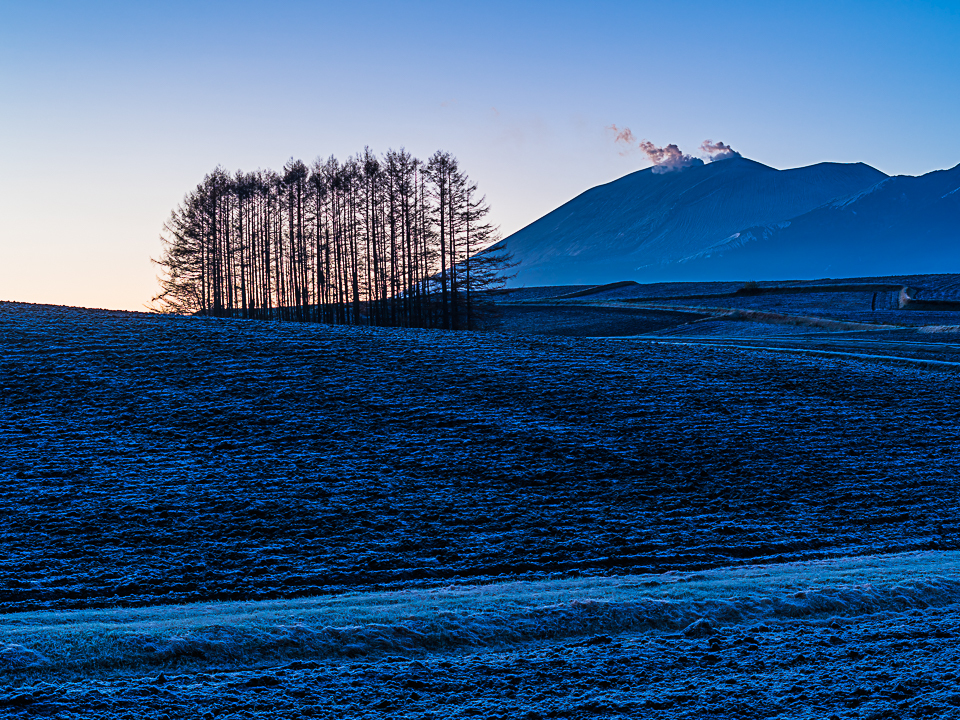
<point>148,459</point>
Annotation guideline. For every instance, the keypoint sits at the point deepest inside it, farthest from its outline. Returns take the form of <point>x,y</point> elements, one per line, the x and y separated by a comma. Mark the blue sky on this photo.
<point>110,112</point>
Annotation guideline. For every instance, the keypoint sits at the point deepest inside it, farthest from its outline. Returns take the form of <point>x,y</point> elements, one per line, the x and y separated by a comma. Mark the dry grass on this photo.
<point>244,634</point>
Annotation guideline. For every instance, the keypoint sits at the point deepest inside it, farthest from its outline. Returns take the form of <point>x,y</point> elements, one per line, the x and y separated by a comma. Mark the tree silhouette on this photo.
<point>388,241</point>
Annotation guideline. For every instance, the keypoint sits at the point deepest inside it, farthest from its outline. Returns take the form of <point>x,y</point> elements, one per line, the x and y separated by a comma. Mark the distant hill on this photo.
<point>738,218</point>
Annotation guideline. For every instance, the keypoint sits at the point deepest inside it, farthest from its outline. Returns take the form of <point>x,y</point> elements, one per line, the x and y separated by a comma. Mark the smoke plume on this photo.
<point>669,158</point>
<point>624,135</point>
<point>717,150</point>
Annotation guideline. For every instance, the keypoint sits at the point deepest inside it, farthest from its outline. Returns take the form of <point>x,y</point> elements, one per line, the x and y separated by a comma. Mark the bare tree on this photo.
<point>381,241</point>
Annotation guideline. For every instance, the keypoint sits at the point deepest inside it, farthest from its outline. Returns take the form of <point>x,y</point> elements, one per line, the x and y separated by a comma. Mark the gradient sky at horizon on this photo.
<point>111,111</point>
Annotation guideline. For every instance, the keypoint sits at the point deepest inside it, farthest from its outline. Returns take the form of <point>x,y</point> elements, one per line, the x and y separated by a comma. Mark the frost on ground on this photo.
<point>869,636</point>
<point>149,460</point>
<point>162,459</point>
<point>238,634</point>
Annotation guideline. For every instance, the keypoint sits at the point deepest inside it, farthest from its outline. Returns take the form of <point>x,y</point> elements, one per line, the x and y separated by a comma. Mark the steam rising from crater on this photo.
<point>717,150</point>
<point>669,158</point>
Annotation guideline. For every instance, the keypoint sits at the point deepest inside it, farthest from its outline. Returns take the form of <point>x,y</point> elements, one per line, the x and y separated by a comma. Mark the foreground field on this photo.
<point>169,459</point>
<point>869,636</point>
<point>152,460</point>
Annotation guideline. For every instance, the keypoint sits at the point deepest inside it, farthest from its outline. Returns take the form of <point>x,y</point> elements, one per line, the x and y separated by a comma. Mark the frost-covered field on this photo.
<point>291,520</point>
<point>872,636</point>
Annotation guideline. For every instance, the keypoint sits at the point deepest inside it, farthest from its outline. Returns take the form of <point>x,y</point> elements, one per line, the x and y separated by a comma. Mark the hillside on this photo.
<point>184,447</point>
<point>640,226</point>
<point>227,518</point>
<point>900,225</point>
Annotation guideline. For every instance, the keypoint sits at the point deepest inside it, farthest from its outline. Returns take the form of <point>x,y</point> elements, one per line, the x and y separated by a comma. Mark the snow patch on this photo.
<point>850,199</point>
<point>938,329</point>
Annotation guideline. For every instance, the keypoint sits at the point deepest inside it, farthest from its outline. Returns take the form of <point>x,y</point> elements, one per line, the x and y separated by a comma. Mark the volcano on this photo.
<point>740,219</point>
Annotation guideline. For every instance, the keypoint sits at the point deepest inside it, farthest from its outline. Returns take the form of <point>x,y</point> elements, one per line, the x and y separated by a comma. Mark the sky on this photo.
<point>111,111</point>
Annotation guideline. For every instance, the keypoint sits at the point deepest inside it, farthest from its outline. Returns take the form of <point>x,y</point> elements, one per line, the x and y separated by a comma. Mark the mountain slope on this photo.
<point>902,225</point>
<point>631,228</point>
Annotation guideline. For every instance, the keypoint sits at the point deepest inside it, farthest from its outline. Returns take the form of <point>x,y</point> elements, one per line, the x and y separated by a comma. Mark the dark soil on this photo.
<point>149,459</point>
<point>585,320</point>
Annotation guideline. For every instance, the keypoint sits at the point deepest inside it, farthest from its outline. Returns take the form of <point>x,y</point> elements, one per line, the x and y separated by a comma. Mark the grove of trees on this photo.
<point>389,241</point>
